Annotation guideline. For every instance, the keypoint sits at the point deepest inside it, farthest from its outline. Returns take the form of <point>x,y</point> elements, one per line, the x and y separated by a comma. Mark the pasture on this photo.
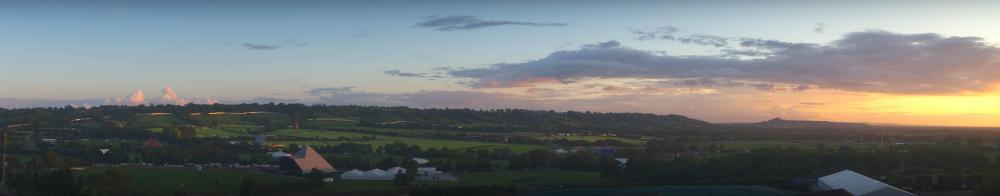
<point>168,180</point>
<point>382,140</point>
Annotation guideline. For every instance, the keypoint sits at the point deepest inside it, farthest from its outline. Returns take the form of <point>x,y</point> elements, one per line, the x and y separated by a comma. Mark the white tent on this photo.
<point>420,161</point>
<point>353,175</point>
<point>278,154</point>
<point>425,171</point>
<point>395,170</point>
<point>859,185</point>
<point>378,174</point>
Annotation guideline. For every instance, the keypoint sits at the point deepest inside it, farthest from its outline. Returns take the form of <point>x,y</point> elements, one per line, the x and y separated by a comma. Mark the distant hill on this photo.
<point>779,123</point>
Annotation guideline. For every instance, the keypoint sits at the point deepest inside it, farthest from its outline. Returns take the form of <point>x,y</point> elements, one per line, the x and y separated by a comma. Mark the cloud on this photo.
<point>868,61</point>
<point>361,33</point>
<point>253,46</point>
<point>136,98</point>
<point>820,28</point>
<point>297,43</point>
<point>436,74</point>
<point>467,22</point>
<point>676,34</point>
<point>170,97</point>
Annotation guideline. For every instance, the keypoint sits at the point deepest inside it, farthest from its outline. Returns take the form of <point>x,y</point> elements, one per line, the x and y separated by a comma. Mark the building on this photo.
<point>152,143</point>
<point>278,154</point>
<point>420,161</point>
<point>859,185</point>
<point>305,161</point>
<point>395,170</point>
<point>353,175</point>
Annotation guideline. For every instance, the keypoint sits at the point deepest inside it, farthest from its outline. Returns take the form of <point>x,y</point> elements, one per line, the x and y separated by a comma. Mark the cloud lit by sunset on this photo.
<point>739,63</point>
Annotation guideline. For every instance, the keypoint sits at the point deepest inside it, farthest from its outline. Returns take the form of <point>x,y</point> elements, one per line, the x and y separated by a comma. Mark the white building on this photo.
<point>859,185</point>
<point>420,161</point>
<point>353,175</point>
<point>395,170</point>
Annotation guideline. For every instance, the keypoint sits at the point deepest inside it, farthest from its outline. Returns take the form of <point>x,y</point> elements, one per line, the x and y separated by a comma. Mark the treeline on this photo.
<point>498,120</point>
<point>661,162</point>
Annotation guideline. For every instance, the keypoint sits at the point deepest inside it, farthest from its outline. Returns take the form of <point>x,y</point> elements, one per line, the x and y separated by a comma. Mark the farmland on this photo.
<point>167,180</point>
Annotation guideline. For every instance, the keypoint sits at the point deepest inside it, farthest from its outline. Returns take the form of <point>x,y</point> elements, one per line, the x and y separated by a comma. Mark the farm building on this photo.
<point>859,185</point>
<point>305,161</point>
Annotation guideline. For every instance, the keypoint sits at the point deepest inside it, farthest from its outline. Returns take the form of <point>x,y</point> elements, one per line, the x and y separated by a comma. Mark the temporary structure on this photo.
<point>420,161</point>
<point>305,161</point>
<point>353,175</point>
<point>278,154</point>
<point>395,170</point>
<point>152,143</point>
<point>859,185</point>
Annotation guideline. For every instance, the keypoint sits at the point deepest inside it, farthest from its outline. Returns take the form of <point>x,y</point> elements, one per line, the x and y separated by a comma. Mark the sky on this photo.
<point>894,62</point>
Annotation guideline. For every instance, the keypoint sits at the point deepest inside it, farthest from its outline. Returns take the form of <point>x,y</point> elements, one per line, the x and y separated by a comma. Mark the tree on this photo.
<point>403,179</point>
<point>408,163</point>
<point>582,160</point>
<point>387,163</point>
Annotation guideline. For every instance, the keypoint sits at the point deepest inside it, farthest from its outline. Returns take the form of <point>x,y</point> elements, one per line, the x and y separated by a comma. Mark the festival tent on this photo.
<point>395,170</point>
<point>353,175</point>
<point>859,185</point>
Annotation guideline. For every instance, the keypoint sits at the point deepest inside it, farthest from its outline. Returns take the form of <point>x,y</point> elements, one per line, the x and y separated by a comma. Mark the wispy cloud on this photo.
<point>253,46</point>
<point>264,46</point>
<point>468,22</point>
<point>676,34</point>
<point>820,28</point>
<point>361,33</point>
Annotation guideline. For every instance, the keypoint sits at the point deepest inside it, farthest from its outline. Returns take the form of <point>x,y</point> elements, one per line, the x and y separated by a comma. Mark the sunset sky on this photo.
<point>898,62</point>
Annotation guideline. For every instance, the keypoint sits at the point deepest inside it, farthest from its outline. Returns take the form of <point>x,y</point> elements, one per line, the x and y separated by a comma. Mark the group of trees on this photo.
<point>51,175</point>
<point>502,120</point>
<point>659,162</point>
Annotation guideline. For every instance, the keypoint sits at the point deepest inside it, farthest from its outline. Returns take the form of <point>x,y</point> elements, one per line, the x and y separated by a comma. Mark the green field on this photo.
<point>329,123</point>
<point>802,144</point>
<point>382,140</point>
<point>542,136</point>
<point>167,180</point>
<point>171,120</point>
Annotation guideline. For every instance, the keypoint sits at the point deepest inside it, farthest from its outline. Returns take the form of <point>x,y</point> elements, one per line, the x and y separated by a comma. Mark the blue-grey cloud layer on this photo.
<point>870,61</point>
<point>466,22</point>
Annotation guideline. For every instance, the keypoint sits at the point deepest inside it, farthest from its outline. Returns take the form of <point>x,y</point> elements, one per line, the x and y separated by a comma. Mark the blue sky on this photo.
<point>94,52</point>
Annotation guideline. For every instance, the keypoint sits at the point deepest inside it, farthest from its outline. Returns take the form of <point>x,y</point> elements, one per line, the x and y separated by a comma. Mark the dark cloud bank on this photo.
<point>869,61</point>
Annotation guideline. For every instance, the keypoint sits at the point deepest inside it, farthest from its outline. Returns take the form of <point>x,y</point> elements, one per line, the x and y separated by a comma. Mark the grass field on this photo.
<point>542,136</point>
<point>171,120</point>
<point>329,123</point>
<point>167,180</point>
<point>382,140</point>
<point>803,144</point>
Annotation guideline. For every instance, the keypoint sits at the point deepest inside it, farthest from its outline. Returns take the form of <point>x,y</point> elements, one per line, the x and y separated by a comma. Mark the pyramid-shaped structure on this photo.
<point>152,143</point>
<point>308,159</point>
